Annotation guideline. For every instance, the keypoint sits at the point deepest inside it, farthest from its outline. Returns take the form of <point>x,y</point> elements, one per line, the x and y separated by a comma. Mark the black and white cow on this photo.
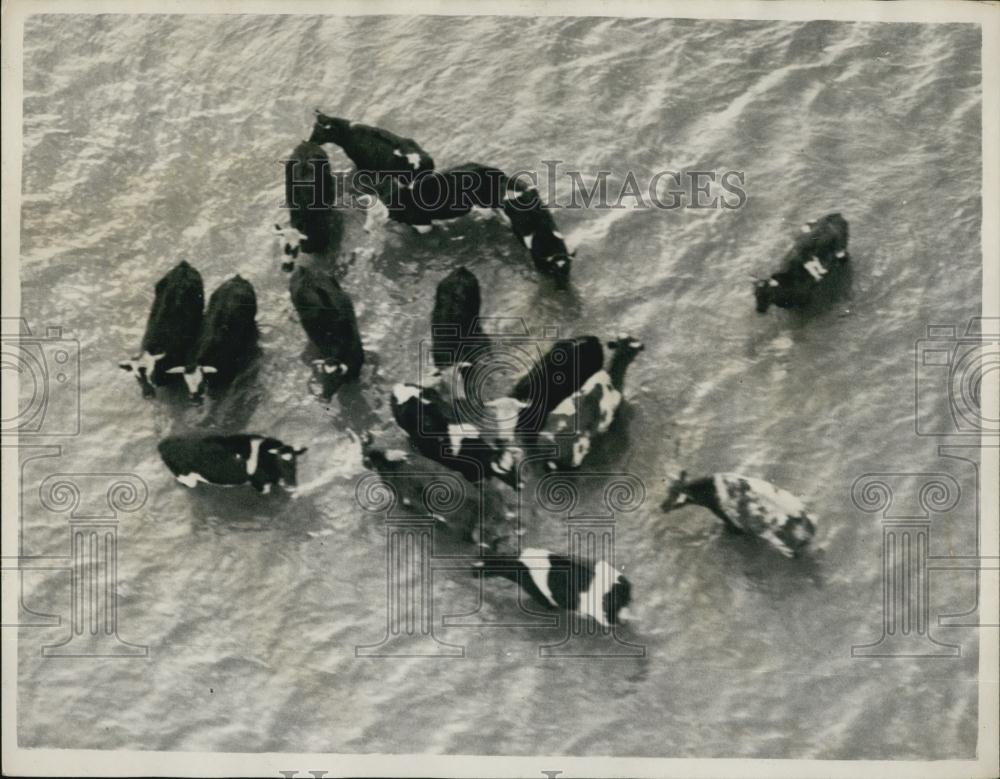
<point>576,423</point>
<point>817,258</point>
<point>228,341</point>
<point>437,196</point>
<point>309,194</point>
<point>231,460</point>
<point>454,319</point>
<point>373,151</point>
<point>534,226</point>
<point>593,589</point>
<point>327,316</point>
<point>474,512</point>
<point>437,433</point>
<point>172,328</point>
<point>751,506</point>
<point>561,372</point>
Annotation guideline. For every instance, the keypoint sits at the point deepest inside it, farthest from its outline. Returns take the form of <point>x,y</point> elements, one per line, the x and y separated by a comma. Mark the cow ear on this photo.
<point>157,357</point>
<point>209,369</point>
<point>273,451</point>
<point>297,450</point>
<point>176,369</point>
<point>126,365</point>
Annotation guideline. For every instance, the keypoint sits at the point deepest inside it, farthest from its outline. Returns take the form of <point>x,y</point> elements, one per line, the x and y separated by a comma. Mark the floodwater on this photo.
<point>148,140</point>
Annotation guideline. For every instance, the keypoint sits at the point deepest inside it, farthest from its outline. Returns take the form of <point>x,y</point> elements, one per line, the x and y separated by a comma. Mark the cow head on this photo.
<point>677,496</point>
<point>195,379</point>
<point>328,376</point>
<point>626,346</point>
<point>291,240</point>
<point>142,367</point>
<point>764,291</point>
<point>329,129</point>
<point>558,267</point>
<point>283,458</point>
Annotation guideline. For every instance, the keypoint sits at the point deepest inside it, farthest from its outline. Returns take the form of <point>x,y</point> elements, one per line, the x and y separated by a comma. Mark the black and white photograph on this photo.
<point>535,389</point>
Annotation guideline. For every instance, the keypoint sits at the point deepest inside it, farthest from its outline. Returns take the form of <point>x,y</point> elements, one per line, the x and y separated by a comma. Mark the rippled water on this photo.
<point>152,139</point>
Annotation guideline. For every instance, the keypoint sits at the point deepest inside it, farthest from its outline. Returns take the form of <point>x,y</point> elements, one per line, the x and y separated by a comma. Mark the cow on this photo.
<point>232,460</point>
<point>228,341</point>
<point>437,196</point>
<point>309,195</point>
<point>171,330</point>
<point>327,316</point>
<point>587,414</point>
<point>378,154</point>
<point>750,506</point>
<point>438,433</point>
<point>813,264</point>
<point>592,589</point>
<point>474,512</point>
<point>454,319</point>
<point>533,225</point>
<point>560,373</point>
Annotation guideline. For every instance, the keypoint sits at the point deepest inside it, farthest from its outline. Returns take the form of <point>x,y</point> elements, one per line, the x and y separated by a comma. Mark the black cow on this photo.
<point>534,226</point>
<point>374,151</point>
<point>309,195</point>
<point>230,460</point>
<point>437,433</point>
<point>594,589</point>
<point>228,341</point>
<point>561,372</point>
<point>813,264</point>
<point>447,194</point>
<point>172,328</point>
<point>327,316</point>
<point>454,319</point>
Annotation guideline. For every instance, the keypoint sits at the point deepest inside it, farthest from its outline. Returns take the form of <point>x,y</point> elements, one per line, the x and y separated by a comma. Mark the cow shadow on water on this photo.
<point>242,509</point>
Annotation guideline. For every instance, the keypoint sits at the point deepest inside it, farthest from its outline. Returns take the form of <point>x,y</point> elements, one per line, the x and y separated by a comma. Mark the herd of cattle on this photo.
<point>565,403</point>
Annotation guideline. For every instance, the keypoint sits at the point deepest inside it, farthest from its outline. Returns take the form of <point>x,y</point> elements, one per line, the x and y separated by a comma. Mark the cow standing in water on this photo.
<point>437,196</point>
<point>594,589</point>
<point>534,226</point>
<point>588,414</point>
<point>454,320</point>
<point>315,225</point>
<point>376,153</point>
<point>171,330</point>
<point>232,460</point>
<point>228,341</point>
<point>327,316</point>
<point>560,373</point>
<point>815,263</point>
